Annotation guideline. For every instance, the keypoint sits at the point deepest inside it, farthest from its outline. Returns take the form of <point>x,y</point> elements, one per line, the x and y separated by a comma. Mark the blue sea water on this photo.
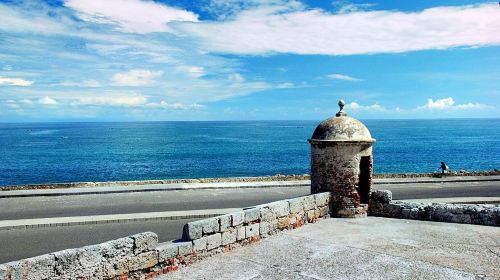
<point>67,152</point>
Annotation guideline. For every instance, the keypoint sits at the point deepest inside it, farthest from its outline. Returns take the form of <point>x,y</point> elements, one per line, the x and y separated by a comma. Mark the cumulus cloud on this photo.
<point>356,106</point>
<point>131,15</point>
<point>47,101</point>
<point>343,78</point>
<point>136,77</point>
<point>449,104</point>
<point>275,29</point>
<point>15,82</point>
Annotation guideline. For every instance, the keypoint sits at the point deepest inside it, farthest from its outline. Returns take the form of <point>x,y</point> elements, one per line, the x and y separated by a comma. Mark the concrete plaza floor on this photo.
<point>368,248</point>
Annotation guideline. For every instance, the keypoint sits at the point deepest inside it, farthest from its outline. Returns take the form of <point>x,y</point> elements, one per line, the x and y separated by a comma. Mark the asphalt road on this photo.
<point>139,202</point>
<point>23,243</point>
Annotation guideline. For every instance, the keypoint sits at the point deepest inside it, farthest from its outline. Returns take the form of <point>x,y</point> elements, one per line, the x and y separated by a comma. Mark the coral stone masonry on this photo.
<point>341,163</point>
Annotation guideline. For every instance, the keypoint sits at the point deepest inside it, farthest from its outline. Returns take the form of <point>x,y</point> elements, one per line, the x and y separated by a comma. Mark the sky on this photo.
<point>133,60</point>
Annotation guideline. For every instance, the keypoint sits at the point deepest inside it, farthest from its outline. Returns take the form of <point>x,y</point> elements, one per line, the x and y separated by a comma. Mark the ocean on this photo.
<point>33,153</point>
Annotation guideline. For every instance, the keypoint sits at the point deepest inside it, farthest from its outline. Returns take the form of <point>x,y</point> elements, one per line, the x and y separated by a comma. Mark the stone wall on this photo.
<point>382,205</point>
<point>140,256</point>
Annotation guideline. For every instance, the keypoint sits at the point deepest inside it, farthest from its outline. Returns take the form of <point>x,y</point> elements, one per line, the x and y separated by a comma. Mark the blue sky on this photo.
<point>128,60</point>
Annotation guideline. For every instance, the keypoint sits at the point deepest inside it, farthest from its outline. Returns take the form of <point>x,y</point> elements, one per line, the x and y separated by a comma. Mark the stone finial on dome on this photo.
<point>341,111</point>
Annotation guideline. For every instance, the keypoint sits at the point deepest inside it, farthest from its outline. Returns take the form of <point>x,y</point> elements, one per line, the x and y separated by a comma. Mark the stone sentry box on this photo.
<point>342,164</point>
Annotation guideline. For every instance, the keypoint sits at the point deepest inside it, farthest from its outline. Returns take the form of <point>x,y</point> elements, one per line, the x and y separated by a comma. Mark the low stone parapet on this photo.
<point>140,256</point>
<point>382,205</point>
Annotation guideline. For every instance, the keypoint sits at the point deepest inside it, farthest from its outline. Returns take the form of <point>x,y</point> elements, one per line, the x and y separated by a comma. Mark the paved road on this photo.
<point>17,244</point>
<point>139,202</point>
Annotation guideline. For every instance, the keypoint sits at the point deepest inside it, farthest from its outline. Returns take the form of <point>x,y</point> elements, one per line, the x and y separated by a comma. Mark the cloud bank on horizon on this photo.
<point>258,59</point>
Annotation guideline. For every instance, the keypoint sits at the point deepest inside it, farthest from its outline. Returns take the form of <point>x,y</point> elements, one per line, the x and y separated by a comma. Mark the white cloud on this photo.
<point>15,82</point>
<point>343,77</point>
<point>271,29</point>
<point>136,77</point>
<point>131,15</point>
<point>449,104</point>
<point>236,77</point>
<point>174,106</point>
<point>356,106</point>
<point>196,71</point>
<point>47,101</point>
<point>112,100</point>
<point>28,20</point>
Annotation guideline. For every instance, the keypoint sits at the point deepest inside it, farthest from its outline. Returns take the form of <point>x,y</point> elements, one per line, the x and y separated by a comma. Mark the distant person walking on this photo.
<point>444,168</point>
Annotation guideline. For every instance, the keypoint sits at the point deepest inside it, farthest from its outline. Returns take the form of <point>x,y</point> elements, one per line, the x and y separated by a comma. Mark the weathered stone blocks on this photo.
<point>200,244</point>
<point>185,248</point>
<point>143,242</point>
<point>37,268</point>
<point>268,228</point>
<point>167,251</point>
<point>251,215</point>
<point>229,237</point>
<point>138,262</point>
<point>308,202</point>
<point>252,230</point>
<point>266,214</point>
<point>210,225</point>
<point>381,204</point>
<point>224,222</point>
<point>214,241</point>
<point>192,230</point>
<point>279,208</point>
<point>296,205</point>
<point>240,233</point>
<point>237,218</point>
<point>322,199</point>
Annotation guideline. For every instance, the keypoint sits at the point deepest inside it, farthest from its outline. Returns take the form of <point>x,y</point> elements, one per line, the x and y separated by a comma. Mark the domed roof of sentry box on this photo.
<point>341,128</point>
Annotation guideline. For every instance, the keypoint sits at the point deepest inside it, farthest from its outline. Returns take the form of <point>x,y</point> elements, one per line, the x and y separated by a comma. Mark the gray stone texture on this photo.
<point>185,248</point>
<point>200,244</point>
<point>118,248</point>
<point>86,262</point>
<point>266,214</point>
<point>229,237</point>
<point>268,228</point>
<point>167,251</point>
<point>240,233</point>
<point>145,241</point>
<point>214,241</point>
<point>252,230</point>
<point>224,222</point>
<point>210,225</point>
<point>192,230</point>
<point>322,199</point>
<point>308,202</point>
<point>280,208</point>
<point>251,214</point>
<point>382,205</point>
<point>237,218</point>
<point>296,205</point>
<point>141,261</point>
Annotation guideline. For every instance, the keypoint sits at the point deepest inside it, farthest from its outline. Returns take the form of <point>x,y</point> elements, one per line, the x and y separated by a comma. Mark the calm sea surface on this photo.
<point>66,152</point>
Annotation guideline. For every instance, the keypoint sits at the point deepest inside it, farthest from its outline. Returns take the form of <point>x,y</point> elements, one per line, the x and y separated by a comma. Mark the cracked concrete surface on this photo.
<point>369,248</point>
